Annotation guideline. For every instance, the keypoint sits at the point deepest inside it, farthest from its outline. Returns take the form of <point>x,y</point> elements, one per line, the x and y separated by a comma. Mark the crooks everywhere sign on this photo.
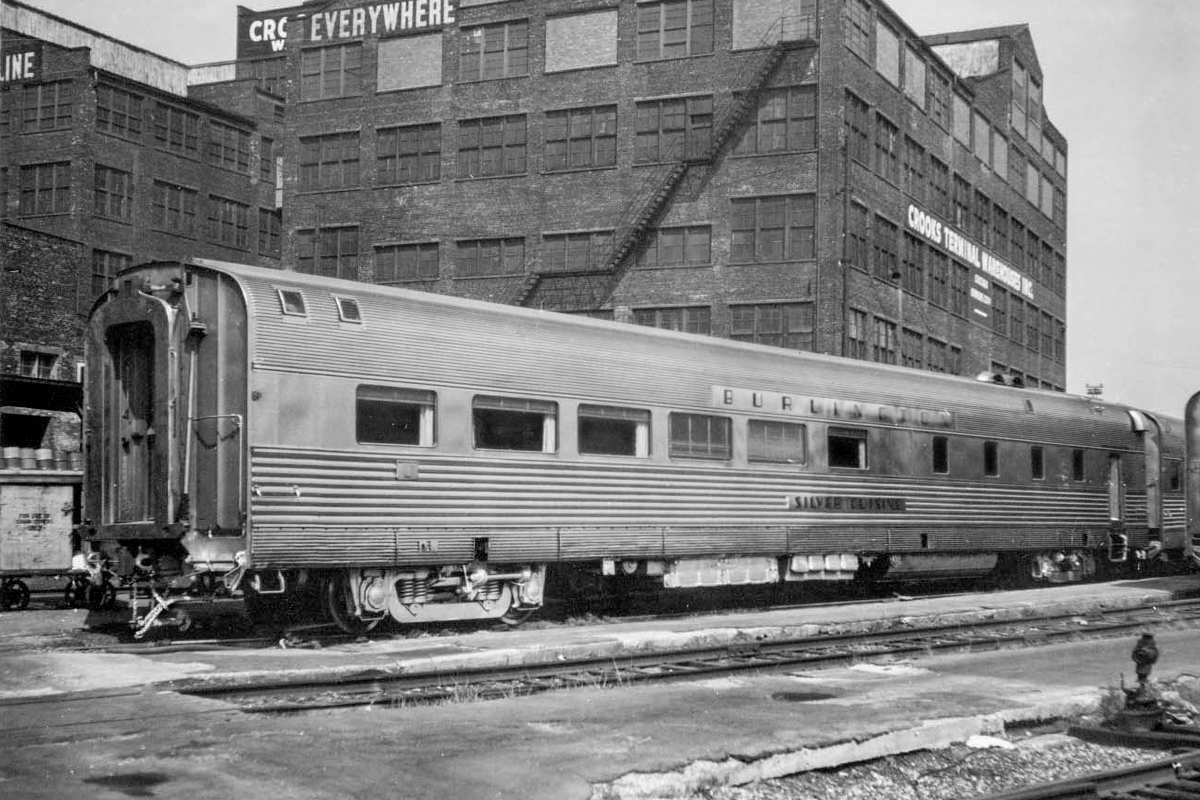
<point>267,32</point>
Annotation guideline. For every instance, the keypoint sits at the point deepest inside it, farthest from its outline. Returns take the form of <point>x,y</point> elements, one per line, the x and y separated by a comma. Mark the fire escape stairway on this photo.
<point>588,289</point>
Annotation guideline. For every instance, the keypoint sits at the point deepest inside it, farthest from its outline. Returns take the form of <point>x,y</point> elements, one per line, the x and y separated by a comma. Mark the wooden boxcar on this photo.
<point>429,457</point>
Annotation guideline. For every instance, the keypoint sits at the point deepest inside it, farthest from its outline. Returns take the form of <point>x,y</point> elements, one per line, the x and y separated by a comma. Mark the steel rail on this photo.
<point>382,687</point>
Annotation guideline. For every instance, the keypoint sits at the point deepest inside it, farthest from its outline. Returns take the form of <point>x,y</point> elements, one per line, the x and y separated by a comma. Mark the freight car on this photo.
<point>428,458</point>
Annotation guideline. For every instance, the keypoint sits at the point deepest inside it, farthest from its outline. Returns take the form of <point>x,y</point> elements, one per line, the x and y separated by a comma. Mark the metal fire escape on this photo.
<point>591,288</point>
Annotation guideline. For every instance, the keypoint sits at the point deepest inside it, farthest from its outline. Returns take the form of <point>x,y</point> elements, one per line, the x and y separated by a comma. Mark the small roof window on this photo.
<point>291,302</point>
<point>348,310</point>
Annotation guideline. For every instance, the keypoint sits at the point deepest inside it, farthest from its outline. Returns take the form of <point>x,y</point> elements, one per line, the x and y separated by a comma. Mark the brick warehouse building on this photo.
<point>107,158</point>
<point>804,173</point>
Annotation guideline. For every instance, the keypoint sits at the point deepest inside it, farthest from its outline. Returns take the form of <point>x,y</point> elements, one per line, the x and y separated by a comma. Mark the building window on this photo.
<point>1020,98</point>
<point>913,172</point>
<point>769,229</point>
<point>579,138</point>
<point>670,130</point>
<point>411,154</point>
<point>856,28</point>
<point>612,431</point>
<point>677,247</point>
<point>962,120</point>
<point>999,311</point>
<point>886,265</point>
<point>1017,244</point>
<point>229,222</point>
<point>776,442</point>
<point>939,277</point>
<point>173,208</point>
<point>1033,323</point>
<point>329,252</point>
<point>37,364</point>
<point>514,423</point>
<point>913,267</point>
<point>48,106</point>
<point>914,76</point>
<point>858,237</point>
<point>689,319</point>
<point>999,240</point>
<point>941,455</point>
<point>981,221</point>
<point>1046,346</point>
<point>105,267</point>
<point>674,28</point>
<point>391,415</point>
<point>270,231</point>
<point>960,283</point>
<point>786,120</point>
<point>954,366</point>
<point>912,349</point>
<point>114,193</point>
<point>1016,330</point>
<point>118,112</point>
<point>46,188</point>
<point>177,130</point>
<point>483,257</point>
<point>491,146</point>
<point>487,52</point>
<point>936,355</point>
<point>887,52</point>
<point>961,203</point>
<point>398,263</point>
<point>787,325</point>
<point>576,251</point>
<point>1016,169</point>
<point>331,71</point>
<point>991,459</point>
<point>884,349</point>
<point>999,155</point>
<point>983,139</point>
<point>887,150</point>
<point>266,160</point>
<point>271,73</point>
<point>228,147</point>
<point>856,334</point>
<point>329,161</point>
<point>858,121</point>
<point>847,448</point>
<point>700,436</point>
<point>939,188</point>
<point>939,99</point>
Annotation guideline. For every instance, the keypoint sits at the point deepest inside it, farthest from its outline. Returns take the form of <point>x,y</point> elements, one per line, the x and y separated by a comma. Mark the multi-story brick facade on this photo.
<point>805,173</point>
<point>103,145</point>
<point>810,174</point>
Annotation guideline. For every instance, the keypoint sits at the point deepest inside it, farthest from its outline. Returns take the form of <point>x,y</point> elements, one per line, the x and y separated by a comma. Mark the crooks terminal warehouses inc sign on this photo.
<point>986,269</point>
<point>267,32</point>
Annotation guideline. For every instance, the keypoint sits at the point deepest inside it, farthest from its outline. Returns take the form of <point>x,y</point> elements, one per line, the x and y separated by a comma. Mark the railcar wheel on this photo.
<point>15,595</point>
<point>516,616</point>
<point>339,605</point>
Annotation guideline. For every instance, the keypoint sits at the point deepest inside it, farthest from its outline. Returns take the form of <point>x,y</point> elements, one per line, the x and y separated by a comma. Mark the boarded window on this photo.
<point>410,62</point>
<point>578,41</point>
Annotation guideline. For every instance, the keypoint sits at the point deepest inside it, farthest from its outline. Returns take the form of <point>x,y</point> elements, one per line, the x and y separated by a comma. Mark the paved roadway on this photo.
<point>102,725</point>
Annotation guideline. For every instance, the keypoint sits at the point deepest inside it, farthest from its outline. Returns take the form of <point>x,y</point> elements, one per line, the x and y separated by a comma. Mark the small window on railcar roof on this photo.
<point>291,302</point>
<point>348,310</point>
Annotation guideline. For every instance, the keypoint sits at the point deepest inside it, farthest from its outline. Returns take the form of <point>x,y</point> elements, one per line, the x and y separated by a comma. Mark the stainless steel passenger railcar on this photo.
<point>428,457</point>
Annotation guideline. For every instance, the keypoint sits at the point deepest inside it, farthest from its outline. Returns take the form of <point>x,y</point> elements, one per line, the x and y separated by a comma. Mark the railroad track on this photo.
<point>381,687</point>
<point>1176,777</point>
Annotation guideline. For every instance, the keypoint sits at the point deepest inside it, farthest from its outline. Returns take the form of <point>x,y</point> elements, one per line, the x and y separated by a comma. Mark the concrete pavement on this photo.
<point>105,725</point>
